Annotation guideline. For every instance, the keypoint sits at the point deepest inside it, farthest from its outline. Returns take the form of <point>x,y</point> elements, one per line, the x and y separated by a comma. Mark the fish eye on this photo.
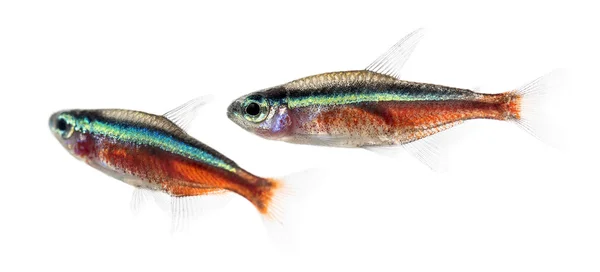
<point>64,128</point>
<point>61,125</point>
<point>255,108</point>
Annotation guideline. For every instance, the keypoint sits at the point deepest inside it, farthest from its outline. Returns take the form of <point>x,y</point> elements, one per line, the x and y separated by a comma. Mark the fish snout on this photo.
<point>234,109</point>
<point>52,121</point>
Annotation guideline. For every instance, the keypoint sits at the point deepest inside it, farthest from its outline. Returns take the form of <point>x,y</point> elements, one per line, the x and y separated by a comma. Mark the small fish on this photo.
<point>373,107</point>
<point>154,152</point>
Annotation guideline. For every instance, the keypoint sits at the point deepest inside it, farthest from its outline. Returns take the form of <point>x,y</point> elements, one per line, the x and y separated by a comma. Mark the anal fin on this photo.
<point>183,209</point>
<point>428,148</point>
<point>139,200</point>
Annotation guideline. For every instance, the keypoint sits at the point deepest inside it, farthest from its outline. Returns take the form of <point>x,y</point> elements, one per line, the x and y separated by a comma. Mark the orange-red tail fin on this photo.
<point>279,203</point>
<point>514,105</point>
<point>528,106</point>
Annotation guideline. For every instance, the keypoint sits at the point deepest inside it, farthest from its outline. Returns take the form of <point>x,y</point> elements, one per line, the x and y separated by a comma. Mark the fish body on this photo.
<point>364,108</point>
<point>375,108</point>
<point>152,152</point>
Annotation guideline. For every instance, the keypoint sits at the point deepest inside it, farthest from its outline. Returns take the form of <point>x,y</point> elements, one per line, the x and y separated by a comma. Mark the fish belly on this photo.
<point>155,169</point>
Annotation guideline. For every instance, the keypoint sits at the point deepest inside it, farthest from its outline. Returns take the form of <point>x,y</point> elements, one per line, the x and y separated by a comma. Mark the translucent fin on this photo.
<point>427,150</point>
<point>139,200</point>
<point>430,150</point>
<point>183,115</point>
<point>392,61</point>
<point>142,196</point>
<point>284,211</point>
<point>534,111</point>
<point>184,210</point>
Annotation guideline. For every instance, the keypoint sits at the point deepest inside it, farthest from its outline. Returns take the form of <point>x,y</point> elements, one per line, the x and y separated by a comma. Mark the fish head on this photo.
<point>262,114</point>
<point>69,127</point>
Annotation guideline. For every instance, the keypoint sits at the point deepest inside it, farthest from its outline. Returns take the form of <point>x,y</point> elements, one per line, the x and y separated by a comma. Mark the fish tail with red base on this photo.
<point>525,106</point>
<point>272,201</point>
<point>513,105</point>
<point>281,203</point>
<point>266,198</point>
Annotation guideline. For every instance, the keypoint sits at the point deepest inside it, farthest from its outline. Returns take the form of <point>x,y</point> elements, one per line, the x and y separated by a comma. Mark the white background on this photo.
<point>508,202</point>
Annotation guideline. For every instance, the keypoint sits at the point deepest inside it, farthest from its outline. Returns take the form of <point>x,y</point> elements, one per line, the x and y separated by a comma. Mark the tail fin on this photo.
<point>279,203</point>
<point>527,106</point>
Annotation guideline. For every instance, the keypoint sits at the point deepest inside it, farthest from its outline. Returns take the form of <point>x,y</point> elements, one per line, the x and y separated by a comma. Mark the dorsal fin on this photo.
<point>391,62</point>
<point>183,115</point>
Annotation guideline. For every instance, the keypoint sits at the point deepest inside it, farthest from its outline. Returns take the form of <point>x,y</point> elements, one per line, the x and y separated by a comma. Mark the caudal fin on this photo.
<point>528,106</point>
<point>280,204</point>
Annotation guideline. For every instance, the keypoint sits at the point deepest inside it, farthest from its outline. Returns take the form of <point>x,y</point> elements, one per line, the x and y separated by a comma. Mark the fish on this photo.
<point>374,108</point>
<point>155,153</point>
